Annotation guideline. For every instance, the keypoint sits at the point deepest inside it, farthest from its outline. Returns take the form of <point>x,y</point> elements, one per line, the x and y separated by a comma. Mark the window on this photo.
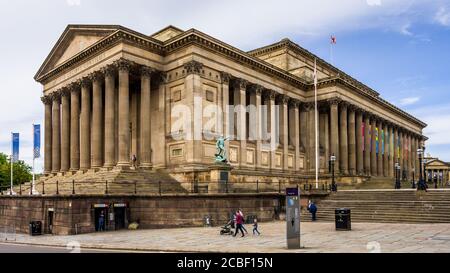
<point>177,152</point>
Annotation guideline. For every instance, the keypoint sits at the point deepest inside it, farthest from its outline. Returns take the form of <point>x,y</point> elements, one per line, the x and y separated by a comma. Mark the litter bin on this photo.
<point>35,228</point>
<point>342,219</point>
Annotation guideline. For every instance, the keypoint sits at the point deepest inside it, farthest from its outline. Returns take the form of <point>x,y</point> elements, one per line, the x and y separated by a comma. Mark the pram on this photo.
<point>227,228</point>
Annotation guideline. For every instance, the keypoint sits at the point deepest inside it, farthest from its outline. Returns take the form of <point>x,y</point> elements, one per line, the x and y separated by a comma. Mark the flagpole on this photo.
<point>33,182</point>
<point>315,124</point>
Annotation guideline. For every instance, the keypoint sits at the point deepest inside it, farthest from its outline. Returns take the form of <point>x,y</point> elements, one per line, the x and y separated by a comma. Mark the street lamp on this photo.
<point>413,178</point>
<point>421,185</point>
<point>397,176</point>
<point>333,183</point>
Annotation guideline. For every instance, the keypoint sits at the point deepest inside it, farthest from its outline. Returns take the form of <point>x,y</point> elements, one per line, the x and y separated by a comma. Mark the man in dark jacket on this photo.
<point>312,208</point>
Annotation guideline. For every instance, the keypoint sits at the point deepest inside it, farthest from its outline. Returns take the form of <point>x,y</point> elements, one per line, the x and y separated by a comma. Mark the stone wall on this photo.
<point>75,214</point>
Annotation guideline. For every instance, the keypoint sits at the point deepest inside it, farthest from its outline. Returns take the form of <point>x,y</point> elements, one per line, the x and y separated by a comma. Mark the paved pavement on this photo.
<point>25,248</point>
<point>316,237</point>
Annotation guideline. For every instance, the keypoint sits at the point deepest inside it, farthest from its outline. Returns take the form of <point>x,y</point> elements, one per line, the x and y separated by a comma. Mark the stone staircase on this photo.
<point>107,181</point>
<point>375,182</point>
<point>387,206</point>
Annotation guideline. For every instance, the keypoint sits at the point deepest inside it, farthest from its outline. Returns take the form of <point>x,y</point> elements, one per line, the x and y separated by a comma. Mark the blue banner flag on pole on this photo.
<point>36,140</point>
<point>15,147</point>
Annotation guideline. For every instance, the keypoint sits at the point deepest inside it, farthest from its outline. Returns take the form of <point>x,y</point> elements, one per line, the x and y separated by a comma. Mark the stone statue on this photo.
<point>220,145</point>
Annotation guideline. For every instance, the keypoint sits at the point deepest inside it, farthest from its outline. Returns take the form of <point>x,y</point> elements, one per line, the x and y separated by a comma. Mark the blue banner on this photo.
<point>15,147</point>
<point>36,140</point>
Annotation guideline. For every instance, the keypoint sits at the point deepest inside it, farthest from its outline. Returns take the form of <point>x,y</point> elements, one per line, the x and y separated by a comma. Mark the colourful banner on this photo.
<point>36,140</point>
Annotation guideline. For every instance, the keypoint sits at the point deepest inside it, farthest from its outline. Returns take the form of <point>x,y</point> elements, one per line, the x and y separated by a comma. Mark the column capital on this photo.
<point>269,94</point>
<point>193,67</point>
<point>294,103</point>
<point>65,91</point>
<point>334,101</point>
<point>353,108</point>
<point>84,82</point>
<point>123,64</point>
<point>344,104</point>
<point>46,99</point>
<point>108,70</point>
<point>256,88</point>
<point>240,83</point>
<point>146,71</point>
<point>74,87</point>
<point>95,76</point>
<point>225,77</point>
<point>56,95</point>
<point>282,99</point>
<point>308,106</point>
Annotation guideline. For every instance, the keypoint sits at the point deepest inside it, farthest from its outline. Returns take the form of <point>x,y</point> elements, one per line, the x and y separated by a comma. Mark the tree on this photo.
<point>21,172</point>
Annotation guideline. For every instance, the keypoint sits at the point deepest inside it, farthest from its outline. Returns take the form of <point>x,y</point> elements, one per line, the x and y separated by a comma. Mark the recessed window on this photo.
<point>177,152</point>
<point>176,95</point>
<point>210,95</point>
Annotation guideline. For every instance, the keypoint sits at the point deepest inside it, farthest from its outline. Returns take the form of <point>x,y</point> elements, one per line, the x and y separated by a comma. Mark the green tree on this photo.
<point>21,171</point>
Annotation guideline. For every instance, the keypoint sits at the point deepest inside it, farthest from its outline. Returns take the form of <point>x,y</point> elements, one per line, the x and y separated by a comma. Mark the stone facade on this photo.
<point>111,93</point>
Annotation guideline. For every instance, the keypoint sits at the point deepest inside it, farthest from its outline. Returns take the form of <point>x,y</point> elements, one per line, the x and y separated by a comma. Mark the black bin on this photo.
<point>35,228</point>
<point>342,219</point>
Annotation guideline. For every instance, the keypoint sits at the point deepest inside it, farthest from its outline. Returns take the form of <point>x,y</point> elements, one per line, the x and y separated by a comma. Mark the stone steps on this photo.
<point>390,206</point>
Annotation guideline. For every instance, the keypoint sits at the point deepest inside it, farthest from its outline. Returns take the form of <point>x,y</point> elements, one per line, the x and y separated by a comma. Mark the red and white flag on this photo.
<point>333,39</point>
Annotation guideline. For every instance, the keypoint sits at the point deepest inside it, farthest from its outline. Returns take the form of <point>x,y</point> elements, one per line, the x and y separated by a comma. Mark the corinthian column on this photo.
<point>145,134</point>
<point>386,151</point>
<point>380,148</point>
<point>367,144</point>
<point>294,130</point>
<point>48,134</point>
<point>373,153</point>
<point>242,123</point>
<point>65,133</point>
<point>391,151</point>
<point>255,120</point>
<point>351,140</point>
<point>343,141</point>
<point>74,127</point>
<point>97,126</point>
<point>124,113</point>
<point>56,132</point>
<point>359,144</point>
<point>85,125</point>
<point>110,118</point>
<point>284,129</point>
<point>334,124</point>
<point>225,77</point>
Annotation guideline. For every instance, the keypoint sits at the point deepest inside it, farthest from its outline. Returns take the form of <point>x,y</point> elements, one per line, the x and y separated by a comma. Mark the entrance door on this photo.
<point>50,222</point>
<point>119,217</point>
<point>100,218</point>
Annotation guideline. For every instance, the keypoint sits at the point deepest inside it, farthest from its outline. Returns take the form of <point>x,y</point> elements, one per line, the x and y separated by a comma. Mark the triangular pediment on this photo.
<point>166,33</point>
<point>73,40</point>
<point>437,162</point>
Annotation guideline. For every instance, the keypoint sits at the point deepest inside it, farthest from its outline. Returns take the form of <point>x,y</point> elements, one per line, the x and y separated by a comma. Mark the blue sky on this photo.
<point>399,48</point>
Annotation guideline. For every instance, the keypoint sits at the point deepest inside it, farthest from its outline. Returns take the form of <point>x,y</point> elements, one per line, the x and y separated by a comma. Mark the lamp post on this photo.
<point>413,178</point>
<point>397,176</point>
<point>333,183</point>
<point>421,184</point>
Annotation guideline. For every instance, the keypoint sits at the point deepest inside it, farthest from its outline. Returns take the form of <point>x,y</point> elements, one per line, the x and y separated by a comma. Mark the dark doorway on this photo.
<point>50,222</point>
<point>119,217</point>
<point>100,216</point>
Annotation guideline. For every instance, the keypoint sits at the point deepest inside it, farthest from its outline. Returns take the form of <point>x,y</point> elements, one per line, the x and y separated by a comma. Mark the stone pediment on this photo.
<point>437,163</point>
<point>166,33</point>
<point>73,40</point>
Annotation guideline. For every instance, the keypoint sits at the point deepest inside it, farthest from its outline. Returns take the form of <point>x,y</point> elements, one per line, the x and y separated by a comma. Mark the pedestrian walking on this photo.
<point>101,221</point>
<point>312,208</point>
<point>239,220</point>
<point>243,220</point>
<point>255,227</point>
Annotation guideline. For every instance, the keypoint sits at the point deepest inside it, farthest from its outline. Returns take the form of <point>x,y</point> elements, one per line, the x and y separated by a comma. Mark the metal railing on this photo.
<point>134,187</point>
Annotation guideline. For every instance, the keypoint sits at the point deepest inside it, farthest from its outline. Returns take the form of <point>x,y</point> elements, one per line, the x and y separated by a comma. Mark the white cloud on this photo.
<point>409,100</point>
<point>443,16</point>
<point>404,29</point>
<point>73,2</point>
<point>374,2</point>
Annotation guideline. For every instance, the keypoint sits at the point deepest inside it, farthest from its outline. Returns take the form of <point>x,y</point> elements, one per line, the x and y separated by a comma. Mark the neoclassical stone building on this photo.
<point>110,93</point>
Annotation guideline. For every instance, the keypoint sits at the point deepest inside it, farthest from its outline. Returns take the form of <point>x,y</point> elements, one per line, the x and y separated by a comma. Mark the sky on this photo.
<point>399,48</point>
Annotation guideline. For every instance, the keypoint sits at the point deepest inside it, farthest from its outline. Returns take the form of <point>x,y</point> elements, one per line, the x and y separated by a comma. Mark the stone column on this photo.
<point>373,152</point>
<point>351,140</point>
<point>255,120</point>
<point>367,140</point>
<point>326,139</point>
<point>343,140</point>
<point>110,119</point>
<point>284,137</point>
<point>386,151</point>
<point>410,157</point>
<point>334,132</point>
<point>401,152</point>
<point>225,77</point>
<point>380,149</point>
<point>74,127</point>
<point>273,134</point>
<point>396,148</point>
<point>124,113</point>
<point>391,152</point>
<point>311,151</point>
<point>56,132</point>
<point>359,144</point>
<point>65,133</point>
<point>145,118</point>
<point>85,126</point>
<point>294,130</point>
<point>97,126</point>
<point>48,134</point>
<point>323,114</point>
<point>417,163</point>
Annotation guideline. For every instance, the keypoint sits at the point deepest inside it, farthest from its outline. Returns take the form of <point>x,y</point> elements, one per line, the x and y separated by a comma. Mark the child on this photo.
<point>255,227</point>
